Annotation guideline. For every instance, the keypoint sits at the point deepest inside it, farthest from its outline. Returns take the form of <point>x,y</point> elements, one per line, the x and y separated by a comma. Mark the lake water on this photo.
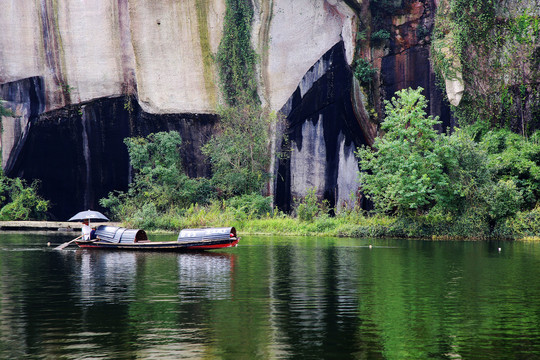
<point>271,298</point>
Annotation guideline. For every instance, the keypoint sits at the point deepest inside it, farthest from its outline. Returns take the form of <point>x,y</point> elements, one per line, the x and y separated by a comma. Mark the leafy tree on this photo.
<point>404,172</point>
<point>476,184</point>
<point>19,201</point>
<point>364,71</point>
<point>239,152</point>
<point>413,168</point>
<point>469,172</point>
<point>159,178</point>
<point>516,158</point>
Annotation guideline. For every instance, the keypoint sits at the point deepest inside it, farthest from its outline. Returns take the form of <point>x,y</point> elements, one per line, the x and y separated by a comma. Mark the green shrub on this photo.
<point>364,71</point>
<point>252,205</point>
<point>380,36</point>
<point>309,207</point>
<point>19,201</point>
<point>239,152</point>
<point>159,180</point>
<point>525,223</point>
<point>404,172</point>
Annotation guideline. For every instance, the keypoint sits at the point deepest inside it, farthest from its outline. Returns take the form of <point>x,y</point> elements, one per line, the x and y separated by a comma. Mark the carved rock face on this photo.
<point>85,59</point>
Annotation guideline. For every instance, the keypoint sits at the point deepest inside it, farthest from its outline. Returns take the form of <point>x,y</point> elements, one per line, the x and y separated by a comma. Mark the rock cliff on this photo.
<point>81,76</point>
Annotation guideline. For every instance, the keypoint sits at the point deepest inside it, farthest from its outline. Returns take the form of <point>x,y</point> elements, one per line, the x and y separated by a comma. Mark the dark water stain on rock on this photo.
<point>79,155</point>
<point>325,97</point>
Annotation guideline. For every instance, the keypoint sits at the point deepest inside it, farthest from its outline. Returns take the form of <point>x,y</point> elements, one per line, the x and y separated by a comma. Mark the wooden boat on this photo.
<point>117,238</point>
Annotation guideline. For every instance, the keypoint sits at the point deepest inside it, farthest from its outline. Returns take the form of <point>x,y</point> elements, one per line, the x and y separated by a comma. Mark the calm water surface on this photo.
<point>271,298</point>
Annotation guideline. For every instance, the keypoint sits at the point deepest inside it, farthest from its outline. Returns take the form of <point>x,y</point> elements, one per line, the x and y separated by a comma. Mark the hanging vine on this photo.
<point>236,57</point>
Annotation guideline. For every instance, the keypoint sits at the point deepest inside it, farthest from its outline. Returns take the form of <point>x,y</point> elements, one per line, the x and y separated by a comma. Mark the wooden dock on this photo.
<point>63,226</point>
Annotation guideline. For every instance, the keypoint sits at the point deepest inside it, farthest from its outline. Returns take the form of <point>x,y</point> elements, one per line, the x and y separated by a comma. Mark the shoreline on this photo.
<point>66,227</point>
<point>60,226</point>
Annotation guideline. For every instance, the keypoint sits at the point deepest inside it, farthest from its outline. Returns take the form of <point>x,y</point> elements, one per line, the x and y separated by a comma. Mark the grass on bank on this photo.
<point>351,223</point>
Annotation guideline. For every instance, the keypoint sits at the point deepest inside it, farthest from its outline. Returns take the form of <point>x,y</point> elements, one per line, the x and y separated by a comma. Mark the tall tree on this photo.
<point>404,172</point>
<point>239,153</point>
<point>159,178</point>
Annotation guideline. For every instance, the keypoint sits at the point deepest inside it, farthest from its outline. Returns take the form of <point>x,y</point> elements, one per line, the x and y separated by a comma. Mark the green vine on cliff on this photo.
<point>493,48</point>
<point>364,71</point>
<point>236,57</point>
<point>239,151</point>
<point>4,111</point>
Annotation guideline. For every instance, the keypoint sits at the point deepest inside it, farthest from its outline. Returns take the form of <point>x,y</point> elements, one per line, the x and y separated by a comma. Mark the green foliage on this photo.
<point>251,205</point>
<point>19,201</point>
<point>159,176</point>
<point>405,172</point>
<point>380,36</point>
<point>515,158</point>
<point>309,207</point>
<point>364,71</point>
<point>493,49</point>
<point>480,191</point>
<point>4,111</point>
<point>236,57</point>
<point>239,152</point>
<point>159,182</point>
<point>470,173</point>
<point>503,200</point>
<point>415,170</point>
<point>526,223</point>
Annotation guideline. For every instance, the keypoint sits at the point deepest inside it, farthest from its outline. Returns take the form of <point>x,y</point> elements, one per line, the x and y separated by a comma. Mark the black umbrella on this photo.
<point>91,215</point>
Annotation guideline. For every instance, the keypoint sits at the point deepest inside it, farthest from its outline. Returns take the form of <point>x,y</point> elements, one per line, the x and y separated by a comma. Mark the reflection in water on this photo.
<point>105,276</point>
<point>110,276</point>
<point>205,275</point>
<point>316,301</point>
<point>272,298</point>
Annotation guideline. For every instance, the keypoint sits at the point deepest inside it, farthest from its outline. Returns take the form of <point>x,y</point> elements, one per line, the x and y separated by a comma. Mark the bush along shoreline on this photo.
<point>252,214</point>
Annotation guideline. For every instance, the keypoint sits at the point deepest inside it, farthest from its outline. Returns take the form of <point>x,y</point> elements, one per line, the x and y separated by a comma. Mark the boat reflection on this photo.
<point>113,276</point>
<point>205,275</point>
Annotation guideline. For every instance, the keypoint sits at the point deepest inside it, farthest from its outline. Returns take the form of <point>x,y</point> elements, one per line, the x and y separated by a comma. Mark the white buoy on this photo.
<point>499,249</point>
<point>49,243</point>
<point>370,246</point>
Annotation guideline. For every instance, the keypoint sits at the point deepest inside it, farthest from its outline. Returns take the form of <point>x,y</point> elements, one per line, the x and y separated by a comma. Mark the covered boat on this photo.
<point>111,237</point>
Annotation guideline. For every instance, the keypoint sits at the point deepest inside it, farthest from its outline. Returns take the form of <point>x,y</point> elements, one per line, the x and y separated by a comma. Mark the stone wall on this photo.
<point>84,75</point>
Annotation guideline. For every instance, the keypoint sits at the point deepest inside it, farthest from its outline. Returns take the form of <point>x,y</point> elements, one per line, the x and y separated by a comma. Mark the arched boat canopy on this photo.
<point>207,234</point>
<point>120,235</point>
